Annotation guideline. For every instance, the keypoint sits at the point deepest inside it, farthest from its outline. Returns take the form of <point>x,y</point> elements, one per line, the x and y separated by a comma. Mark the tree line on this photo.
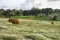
<point>33,12</point>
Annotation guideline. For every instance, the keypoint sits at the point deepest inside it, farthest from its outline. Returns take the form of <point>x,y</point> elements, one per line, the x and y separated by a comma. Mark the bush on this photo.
<point>54,18</point>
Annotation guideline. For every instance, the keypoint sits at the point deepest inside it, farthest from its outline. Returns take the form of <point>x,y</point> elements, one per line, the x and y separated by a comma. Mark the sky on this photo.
<point>28,4</point>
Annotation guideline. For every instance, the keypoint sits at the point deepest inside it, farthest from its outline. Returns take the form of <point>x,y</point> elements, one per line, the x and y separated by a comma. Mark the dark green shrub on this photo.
<point>54,18</point>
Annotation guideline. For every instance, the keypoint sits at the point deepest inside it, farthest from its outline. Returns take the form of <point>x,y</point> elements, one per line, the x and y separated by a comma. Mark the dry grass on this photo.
<point>30,30</point>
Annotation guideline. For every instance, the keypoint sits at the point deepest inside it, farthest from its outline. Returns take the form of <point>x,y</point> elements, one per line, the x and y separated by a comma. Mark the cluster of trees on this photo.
<point>34,12</point>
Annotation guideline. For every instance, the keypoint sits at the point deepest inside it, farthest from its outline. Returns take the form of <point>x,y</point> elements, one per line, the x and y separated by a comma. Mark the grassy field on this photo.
<point>29,30</point>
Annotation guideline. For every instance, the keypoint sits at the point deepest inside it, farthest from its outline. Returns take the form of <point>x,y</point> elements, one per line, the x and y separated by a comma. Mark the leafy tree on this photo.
<point>1,12</point>
<point>35,11</point>
<point>9,13</point>
<point>20,12</point>
<point>47,11</point>
<point>26,12</point>
<point>56,10</point>
<point>14,11</point>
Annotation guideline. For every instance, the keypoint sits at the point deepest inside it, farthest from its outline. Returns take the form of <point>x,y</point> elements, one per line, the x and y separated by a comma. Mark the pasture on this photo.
<point>29,30</point>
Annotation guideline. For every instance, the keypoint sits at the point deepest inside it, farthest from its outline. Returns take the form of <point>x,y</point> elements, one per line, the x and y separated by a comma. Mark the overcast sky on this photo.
<point>28,4</point>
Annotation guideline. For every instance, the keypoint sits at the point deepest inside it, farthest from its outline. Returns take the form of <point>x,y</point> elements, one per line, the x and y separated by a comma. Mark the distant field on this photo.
<point>29,30</point>
<point>42,17</point>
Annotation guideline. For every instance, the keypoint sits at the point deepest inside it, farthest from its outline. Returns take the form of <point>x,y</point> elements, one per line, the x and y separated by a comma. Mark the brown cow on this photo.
<point>14,21</point>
